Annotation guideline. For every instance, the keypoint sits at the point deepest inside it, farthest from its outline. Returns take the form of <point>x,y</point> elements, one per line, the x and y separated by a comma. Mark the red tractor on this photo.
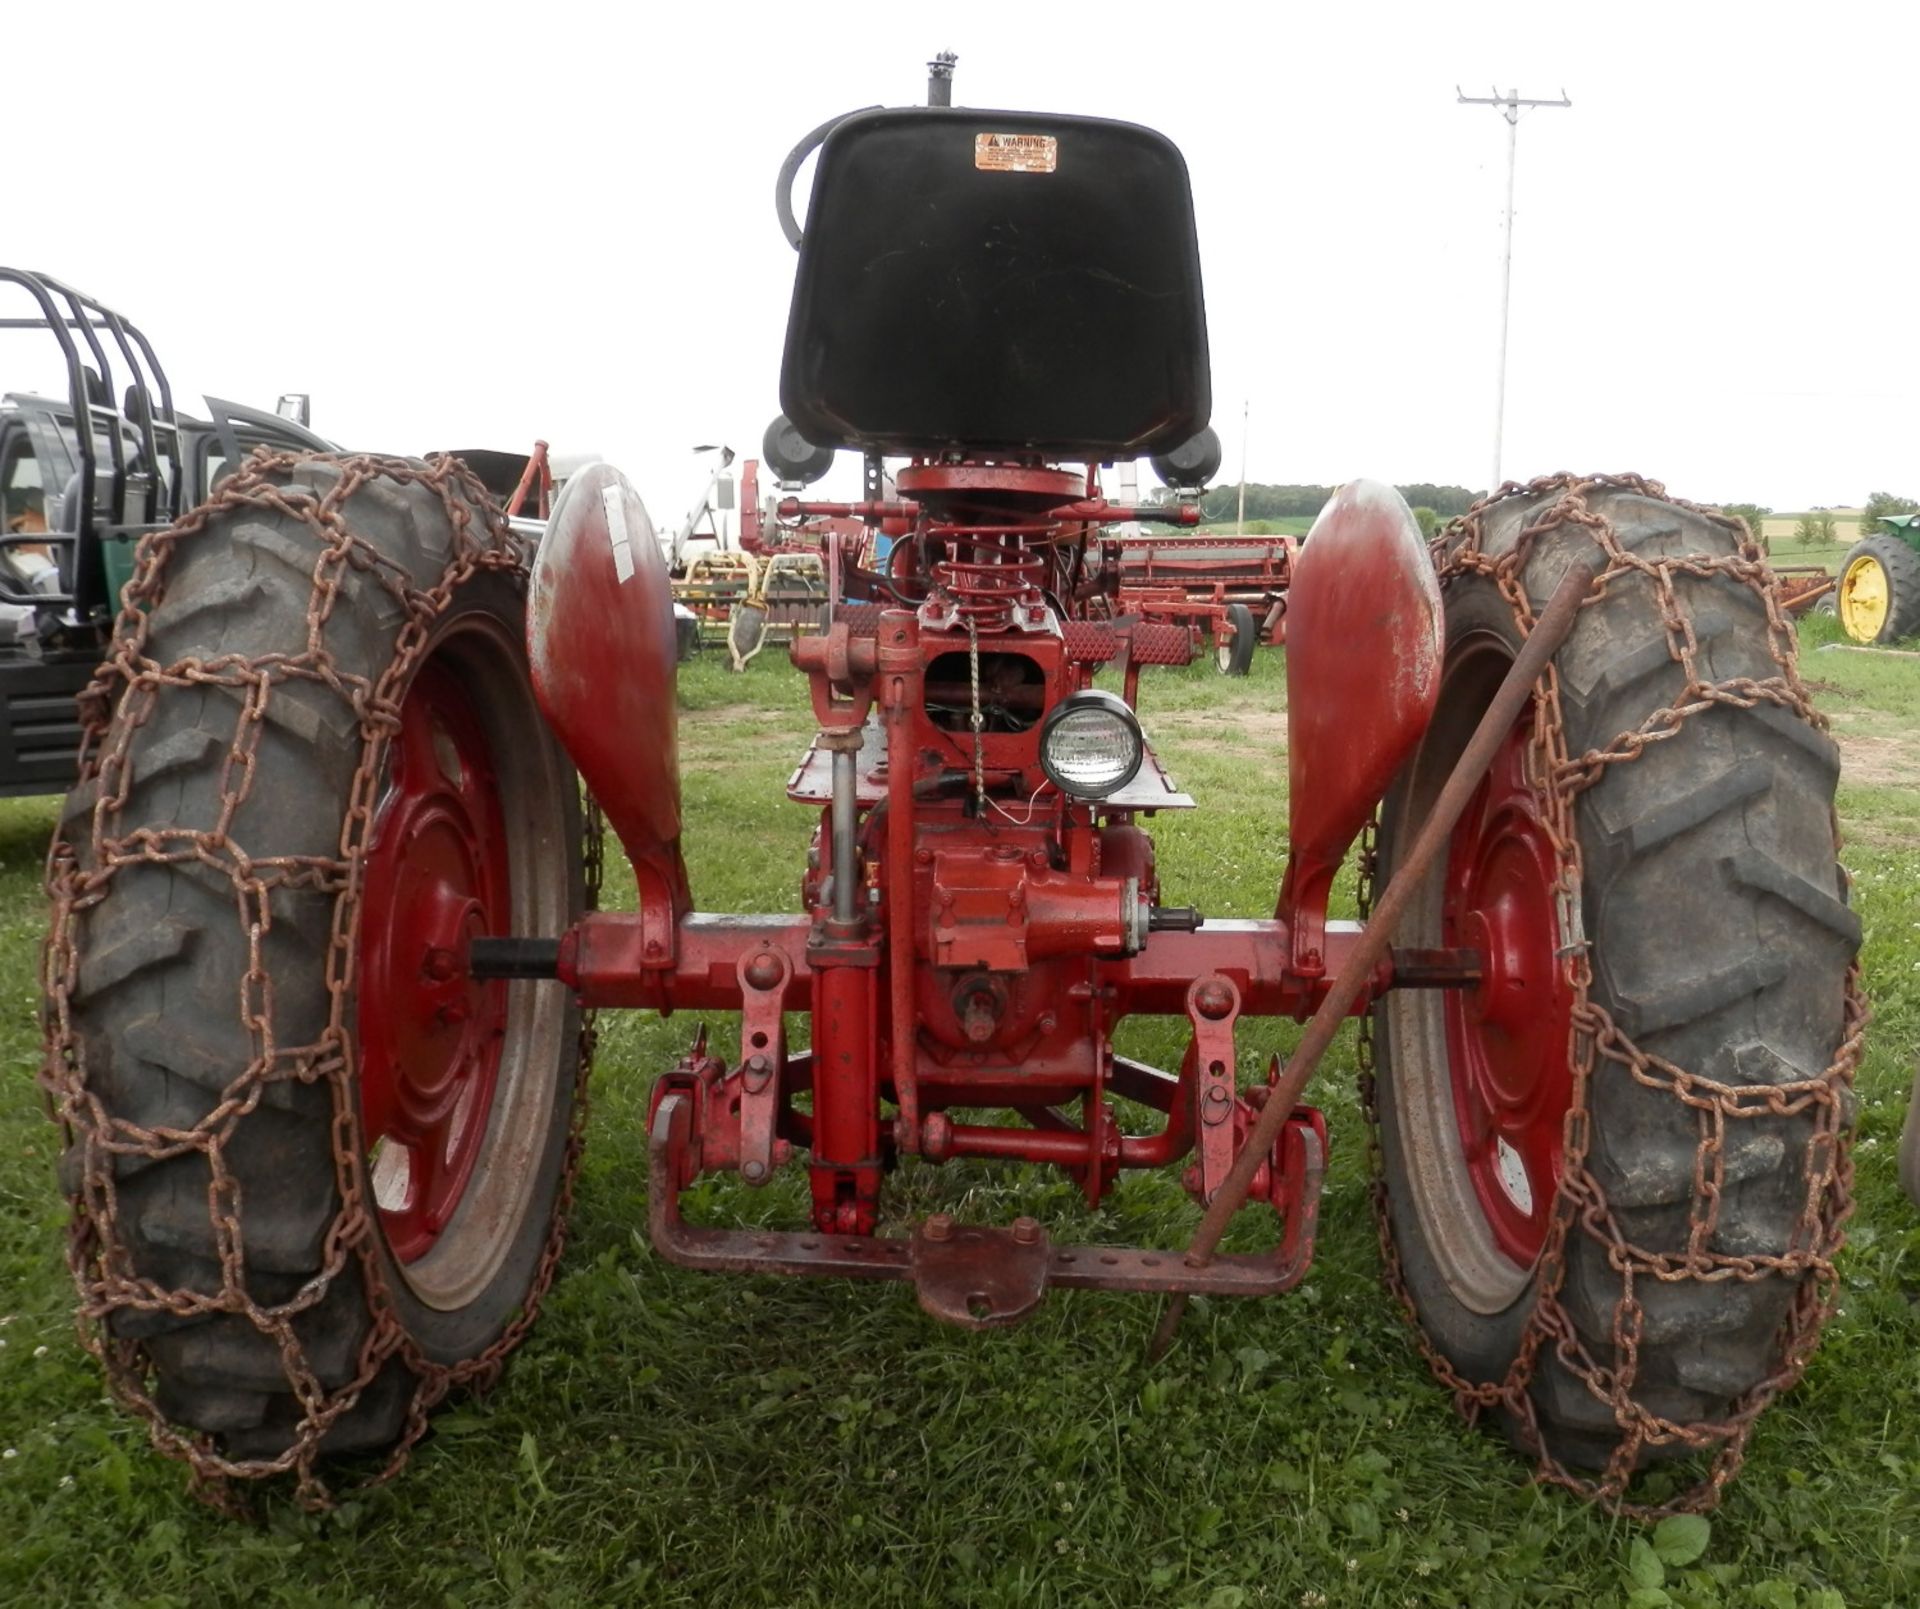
<point>325,954</point>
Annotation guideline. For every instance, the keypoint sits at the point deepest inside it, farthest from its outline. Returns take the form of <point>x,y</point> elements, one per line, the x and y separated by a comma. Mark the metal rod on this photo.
<point>902,693</point>
<point>846,875</point>
<point>1240,520</point>
<point>513,958</point>
<point>1549,631</point>
<point>940,79</point>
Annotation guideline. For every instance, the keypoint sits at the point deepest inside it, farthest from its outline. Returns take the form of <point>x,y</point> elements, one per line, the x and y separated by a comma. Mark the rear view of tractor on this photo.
<point>325,949</point>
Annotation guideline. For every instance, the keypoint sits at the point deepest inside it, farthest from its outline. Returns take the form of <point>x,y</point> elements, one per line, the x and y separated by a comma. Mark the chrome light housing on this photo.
<point>1091,745</point>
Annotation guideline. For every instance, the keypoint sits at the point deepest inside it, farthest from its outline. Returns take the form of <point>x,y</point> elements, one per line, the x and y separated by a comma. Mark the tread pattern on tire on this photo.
<point>1901,566</point>
<point>211,1238</point>
<point>1722,946</point>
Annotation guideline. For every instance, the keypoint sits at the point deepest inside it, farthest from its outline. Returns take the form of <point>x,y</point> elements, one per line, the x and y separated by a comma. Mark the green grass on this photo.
<point>673,1438</point>
<point>1786,550</point>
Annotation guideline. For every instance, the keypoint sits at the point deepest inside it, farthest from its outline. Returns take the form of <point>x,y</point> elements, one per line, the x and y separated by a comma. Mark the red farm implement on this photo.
<point>1230,593</point>
<point>325,946</point>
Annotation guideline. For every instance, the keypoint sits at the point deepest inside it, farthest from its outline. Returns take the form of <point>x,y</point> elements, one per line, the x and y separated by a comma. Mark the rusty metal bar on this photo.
<point>902,694</point>
<point>856,1256</point>
<point>1549,631</point>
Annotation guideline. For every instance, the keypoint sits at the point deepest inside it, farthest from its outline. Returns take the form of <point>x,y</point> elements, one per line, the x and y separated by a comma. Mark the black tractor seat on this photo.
<point>998,282</point>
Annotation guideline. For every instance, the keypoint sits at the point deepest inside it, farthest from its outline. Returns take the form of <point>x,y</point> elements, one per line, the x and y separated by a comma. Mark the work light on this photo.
<point>1090,745</point>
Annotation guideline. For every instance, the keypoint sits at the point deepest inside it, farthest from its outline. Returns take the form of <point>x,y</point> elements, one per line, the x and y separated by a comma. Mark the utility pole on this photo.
<point>1240,522</point>
<point>1511,105</point>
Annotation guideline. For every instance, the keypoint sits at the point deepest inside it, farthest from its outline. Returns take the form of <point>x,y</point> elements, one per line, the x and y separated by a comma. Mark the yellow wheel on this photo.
<point>1864,597</point>
<point>1878,594</point>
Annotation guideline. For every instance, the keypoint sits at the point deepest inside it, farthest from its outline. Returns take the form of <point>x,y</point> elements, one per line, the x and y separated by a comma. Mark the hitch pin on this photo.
<point>1549,631</point>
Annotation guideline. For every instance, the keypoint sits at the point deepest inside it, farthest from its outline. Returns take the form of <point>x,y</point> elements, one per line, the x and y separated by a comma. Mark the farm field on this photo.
<point>1779,529</point>
<point>669,1438</point>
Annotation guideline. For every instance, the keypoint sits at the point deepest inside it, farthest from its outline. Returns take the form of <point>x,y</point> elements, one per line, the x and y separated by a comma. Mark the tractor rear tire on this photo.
<point>164,963</point>
<point>1877,595</point>
<point>1234,656</point>
<point>1720,940</point>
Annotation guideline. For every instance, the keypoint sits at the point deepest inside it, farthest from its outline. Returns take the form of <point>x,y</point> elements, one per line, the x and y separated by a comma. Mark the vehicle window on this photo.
<point>22,497</point>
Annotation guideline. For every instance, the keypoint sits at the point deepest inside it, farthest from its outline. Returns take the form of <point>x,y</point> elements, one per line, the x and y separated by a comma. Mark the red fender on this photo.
<point>1365,638</point>
<point>600,638</point>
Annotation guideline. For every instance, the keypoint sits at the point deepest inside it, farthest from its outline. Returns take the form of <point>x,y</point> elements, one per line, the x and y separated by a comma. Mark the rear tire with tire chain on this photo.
<point>1721,942</point>
<point>162,958</point>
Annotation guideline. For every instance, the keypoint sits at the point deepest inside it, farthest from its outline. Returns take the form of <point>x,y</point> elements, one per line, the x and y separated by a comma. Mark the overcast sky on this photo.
<point>468,225</point>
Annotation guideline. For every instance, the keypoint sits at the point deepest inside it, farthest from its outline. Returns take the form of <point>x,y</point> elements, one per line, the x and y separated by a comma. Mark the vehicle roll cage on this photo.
<point>144,476</point>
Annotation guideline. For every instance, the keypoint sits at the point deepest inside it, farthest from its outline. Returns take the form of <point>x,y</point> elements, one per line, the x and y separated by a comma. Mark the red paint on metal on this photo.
<point>997,481</point>
<point>437,875</point>
<point>600,639</point>
<point>1364,641</point>
<point>536,480</point>
<point>846,1162</point>
<point>1192,582</point>
<point>751,538</point>
<point>989,932</point>
<point>902,698</point>
<point>843,1256</point>
<point>1507,1038</point>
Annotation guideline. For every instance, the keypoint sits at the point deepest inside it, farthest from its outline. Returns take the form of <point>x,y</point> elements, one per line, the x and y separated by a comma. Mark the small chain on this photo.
<point>976,720</point>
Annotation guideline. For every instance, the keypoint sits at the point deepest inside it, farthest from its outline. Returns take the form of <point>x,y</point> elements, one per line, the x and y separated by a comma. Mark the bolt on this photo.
<point>923,857</point>
<point>753,1172</point>
<point>1026,1232</point>
<point>653,946</point>
<point>763,971</point>
<point>1038,859</point>
<point>1213,999</point>
<point>1048,1022</point>
<point>453,1012</point>
<point>442,965</point>
<point>938,1227</point>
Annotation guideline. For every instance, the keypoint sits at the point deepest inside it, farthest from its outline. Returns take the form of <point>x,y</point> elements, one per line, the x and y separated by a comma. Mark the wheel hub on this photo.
<point>430,1034</point>
<point>1507,1038</point>
<point>1864,599</point>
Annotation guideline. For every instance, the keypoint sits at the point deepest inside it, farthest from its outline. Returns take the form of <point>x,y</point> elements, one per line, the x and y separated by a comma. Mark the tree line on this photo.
<point>1280,502</point>
<point>1818,525</point>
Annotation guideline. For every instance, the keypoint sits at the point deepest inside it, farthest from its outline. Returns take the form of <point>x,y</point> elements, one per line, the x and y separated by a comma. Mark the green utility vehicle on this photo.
<point>82,476</point>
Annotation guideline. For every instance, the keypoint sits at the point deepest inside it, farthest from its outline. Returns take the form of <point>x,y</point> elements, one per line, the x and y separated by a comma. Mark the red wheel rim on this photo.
<point>1507,1038</point>
<point>430,1035</point>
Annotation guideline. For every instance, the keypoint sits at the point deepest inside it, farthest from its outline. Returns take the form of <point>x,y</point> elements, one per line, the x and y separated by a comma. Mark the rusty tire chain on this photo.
<point>128,679</point>
<point>1580,1204</point>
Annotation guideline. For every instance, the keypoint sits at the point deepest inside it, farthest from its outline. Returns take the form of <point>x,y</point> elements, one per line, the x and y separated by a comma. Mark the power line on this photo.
<point>1511,105</point>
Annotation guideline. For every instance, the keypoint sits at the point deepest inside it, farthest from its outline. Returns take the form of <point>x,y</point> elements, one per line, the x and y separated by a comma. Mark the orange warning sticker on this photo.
<point>1016,153</point>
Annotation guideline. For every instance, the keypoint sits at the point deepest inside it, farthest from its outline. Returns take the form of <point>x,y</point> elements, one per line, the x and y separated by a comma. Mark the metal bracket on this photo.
<point>763,1059</point>
<point>816,1255</point>
<point>1213,1006</point>
<point>978,1277</point>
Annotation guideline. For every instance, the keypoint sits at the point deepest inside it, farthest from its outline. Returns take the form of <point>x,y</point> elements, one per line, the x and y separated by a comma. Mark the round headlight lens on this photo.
<point>1090,745</point>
